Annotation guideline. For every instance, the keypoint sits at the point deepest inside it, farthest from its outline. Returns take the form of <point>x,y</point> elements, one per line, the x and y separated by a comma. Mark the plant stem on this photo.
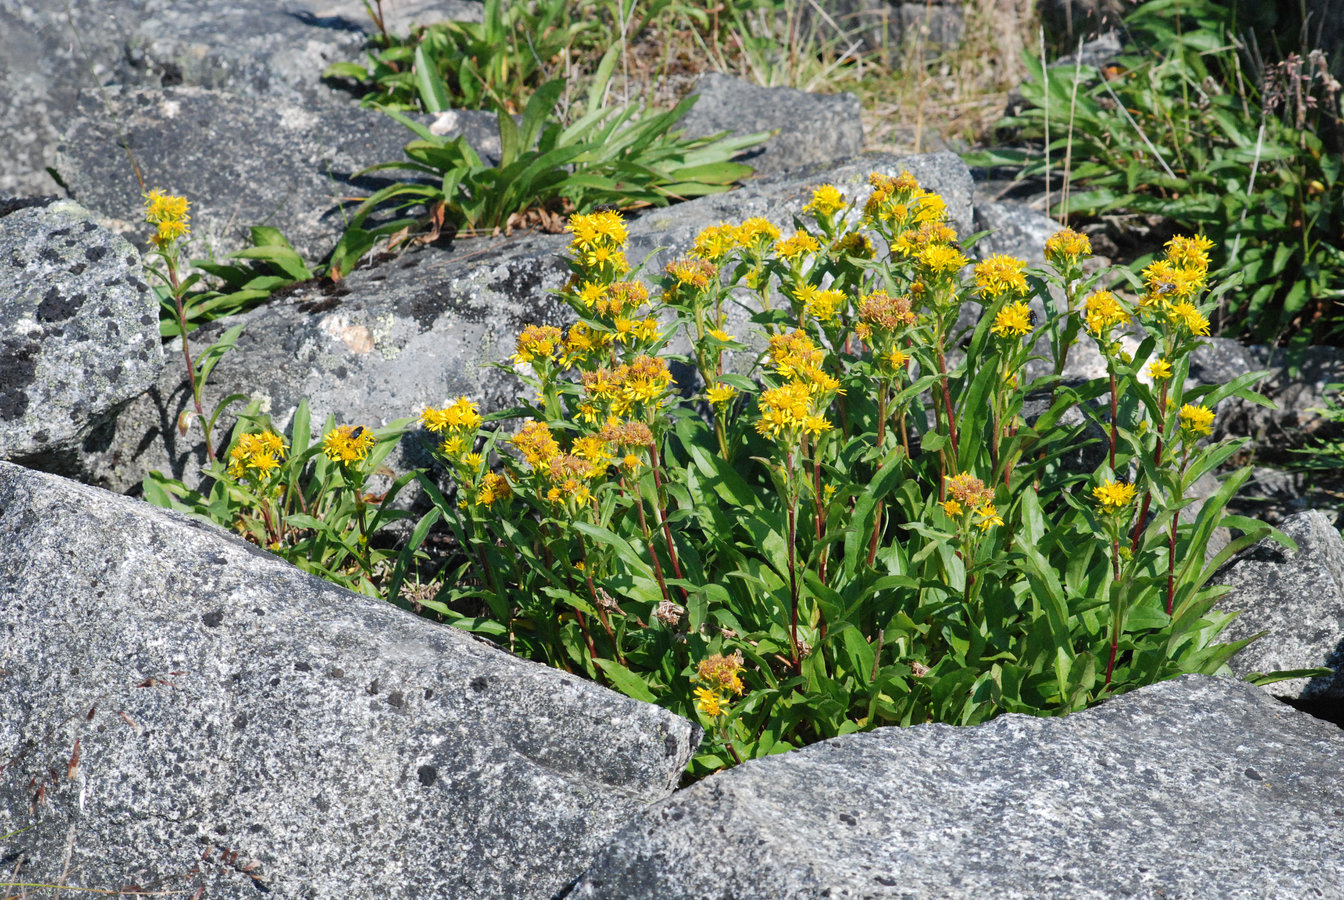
<point>662,515</point>
<point>793,567</point>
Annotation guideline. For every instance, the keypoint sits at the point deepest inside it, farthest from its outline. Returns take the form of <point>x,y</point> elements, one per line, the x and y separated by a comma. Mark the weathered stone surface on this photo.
<point>51,50</point>
<point>79,329</point>
<point>1192,788</point>
<point>217,720</point>
<point>240,163</point>
<point>420,331</point>
<point>812,128</point>
<point>1298,392</point>
<point>1298,597</point>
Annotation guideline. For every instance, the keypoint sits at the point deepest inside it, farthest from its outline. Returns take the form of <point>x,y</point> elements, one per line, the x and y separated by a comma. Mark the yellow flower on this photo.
<point>952,508</point>
<point>1185,315</point>
<point>161,207</point>
<point>800,243</point>
<point>999,275</point>
<point>694,272</point>
<point>1196,420</point>
<point>493,487</point>
<point>988,517</point>
<point>721,393</point>
<point>594,230</point>
<point>896,360</point>
<point>1066,247</point>
<point>538,342</point>
<point>461,414</point>
<point>969,490</point>
<point>1014,320</point>
<point>720,335</point>
<point>1189,252</point>
<point>536,444</point>
<point>1102,312</point>
<point>757,233</point>
<point>941,259</point>
<point>348,443</point>
<point>1159,369</point>
<point>708,702</point>
<point>822,305</point>
<point>715,242</point>
<point>826,200</point>
<point>722,672</point>
<point>1114,495</point>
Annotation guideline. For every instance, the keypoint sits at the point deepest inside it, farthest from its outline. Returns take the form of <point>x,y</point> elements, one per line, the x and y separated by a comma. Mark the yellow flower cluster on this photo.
<point>719,676</point>
<point>599,239</point>
<point>1172,284</point>
<point>457,422</point>
<point>633,387</point>
<point>797,246</point>
<point>1014,320</point>
<point>1000,275</point>
<point>1195,421</point>
<point>1066,248</point>
<point>259,453</point>
<point>348,443</point>
<point>493,487</point>
<point>826,201</point>
<point>694,273</point>
<point>1101,312</point>
<point>535,441</point>
<point>169,215</point>
<point>969,494</point>
<point>542,343</point>
<point>1114,495</point>
<point>822,305</point>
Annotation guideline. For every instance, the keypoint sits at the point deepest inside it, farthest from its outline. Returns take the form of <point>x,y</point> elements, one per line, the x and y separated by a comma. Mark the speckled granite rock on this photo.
<point>1298,597</point>
<point>239,163</point>
<point>183,712</point>
<point>264,50</point>
<point>812,128</point>
<point>421,331</point>
<point>79,329</point>
<point>1190,789</point>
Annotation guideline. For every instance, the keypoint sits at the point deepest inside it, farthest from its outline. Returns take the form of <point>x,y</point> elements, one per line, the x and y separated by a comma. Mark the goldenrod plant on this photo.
<point>307,502</point>
<point>866,529</point>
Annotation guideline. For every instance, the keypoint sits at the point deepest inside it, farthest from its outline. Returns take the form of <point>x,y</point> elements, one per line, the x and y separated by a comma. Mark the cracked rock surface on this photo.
<point>181,710</point>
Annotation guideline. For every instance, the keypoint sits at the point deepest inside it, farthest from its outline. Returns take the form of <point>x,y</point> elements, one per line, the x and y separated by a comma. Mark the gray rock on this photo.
<point>1298,392</point>
<point>79,330</point>
<point>239,163</point>
<point>421,331</point>
<point>812,128</point>
<point>1192,788</point>
<point>184,712</point>
<point>1298,597</point>
<point>52,50</point>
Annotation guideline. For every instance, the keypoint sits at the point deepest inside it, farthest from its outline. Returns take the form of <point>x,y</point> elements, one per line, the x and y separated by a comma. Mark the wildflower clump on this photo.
<point>846,517</point>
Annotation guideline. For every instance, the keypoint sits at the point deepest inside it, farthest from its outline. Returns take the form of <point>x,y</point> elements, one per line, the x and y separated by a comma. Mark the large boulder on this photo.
<point>239,163</point>
<point>423,330</point>
<point>51,50</point>
<point>79,329</point>
<point>184,712</point>
<point>1197,787</point>
<point>1297,596</point>
<point>809,128</point>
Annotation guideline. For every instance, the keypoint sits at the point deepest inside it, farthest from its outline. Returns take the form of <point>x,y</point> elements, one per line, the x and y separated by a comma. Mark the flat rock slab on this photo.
<point>811,128</point>
<point>79,328</point>
<point>180,711</point>
<point>423,330</point>
<point>240,163</point>
<point>1298,597</point>
<point>263,50</point>
<point>1193,788</point>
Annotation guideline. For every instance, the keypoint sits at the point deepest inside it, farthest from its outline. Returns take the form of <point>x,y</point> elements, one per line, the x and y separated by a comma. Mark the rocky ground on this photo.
<point>181,711</point>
